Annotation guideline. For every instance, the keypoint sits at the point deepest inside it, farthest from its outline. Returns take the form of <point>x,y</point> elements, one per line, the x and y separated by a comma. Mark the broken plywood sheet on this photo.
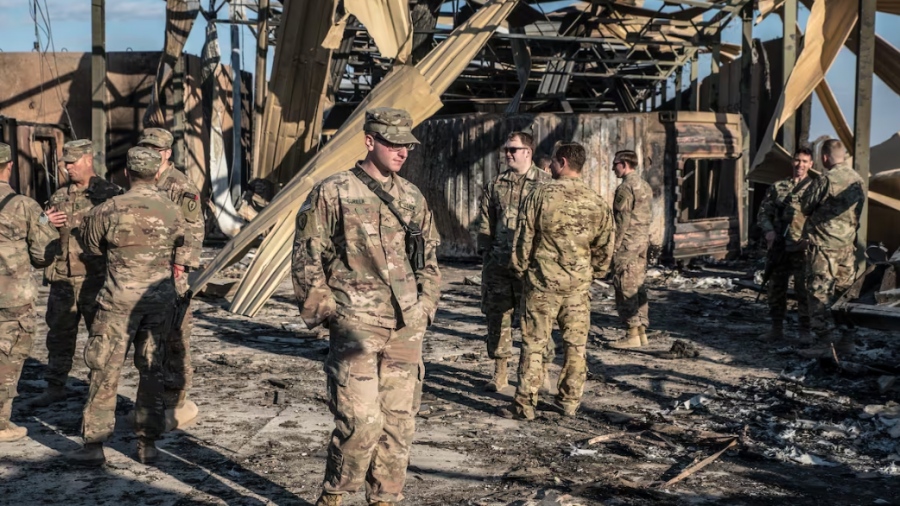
<point>386,21</point>
<point>180,17</point>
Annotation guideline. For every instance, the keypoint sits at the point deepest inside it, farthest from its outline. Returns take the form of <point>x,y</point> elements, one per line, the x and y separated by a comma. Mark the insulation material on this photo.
<point>833,17</point>
<point>292,119</point>
<point>180,17</point>
<point>386,21</point>
<point>417,89</point>
<point>767,7</point>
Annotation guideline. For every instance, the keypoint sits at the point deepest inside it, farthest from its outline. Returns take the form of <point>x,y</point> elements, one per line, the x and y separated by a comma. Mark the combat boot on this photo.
<point>12,432</point>
<point>805,336</point>
<point>182,415</point>
<point>147,453</point>
<point>643,331</point>
<point>632,339</point>
<point>776,333</point>
<point>380,503</point>
<point>52,395</point>
<point>327,499</point>
<point>91,454</point>
<point>501,376</point>
<point>515,412</point>
<point>565,410</point>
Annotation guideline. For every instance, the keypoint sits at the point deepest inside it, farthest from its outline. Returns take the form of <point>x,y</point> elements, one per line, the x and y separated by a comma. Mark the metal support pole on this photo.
<point>747,102</point>
<point>98,85</point>
<point>262,54</point>
<point>713,88</point>
<point>695,83</point>
<point>789,131</point>
<point>236,116</point>
<point>679,84</point>
<point>862,121</point>
<point>665,92</point>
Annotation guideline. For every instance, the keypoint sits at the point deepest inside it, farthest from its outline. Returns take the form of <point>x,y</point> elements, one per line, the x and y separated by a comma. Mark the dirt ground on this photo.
<point>804,432</point>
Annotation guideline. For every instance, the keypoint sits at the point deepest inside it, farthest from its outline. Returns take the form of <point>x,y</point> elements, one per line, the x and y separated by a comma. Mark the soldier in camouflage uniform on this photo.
<point>631,210</point>
<point>140,233</point>
<point>832,206</point>
<point>180,411</point>
<point>26,239</point>
<point>781,221</point>
<point>75,277</point>
<point>501,290</point>
<point>563,241</point>
<point>350,272</point>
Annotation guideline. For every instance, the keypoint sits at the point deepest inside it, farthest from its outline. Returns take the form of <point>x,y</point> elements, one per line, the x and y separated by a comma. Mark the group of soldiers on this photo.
<point>810,226</point>
<point>117,261</point>
<point>364,266</point>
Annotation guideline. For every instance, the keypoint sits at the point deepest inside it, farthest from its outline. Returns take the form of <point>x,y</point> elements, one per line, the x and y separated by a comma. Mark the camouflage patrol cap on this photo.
<point>156,137</point>
<point>143,161</point>
<point>394,125</point>
<point>74,150</point>
<point>5,153</point>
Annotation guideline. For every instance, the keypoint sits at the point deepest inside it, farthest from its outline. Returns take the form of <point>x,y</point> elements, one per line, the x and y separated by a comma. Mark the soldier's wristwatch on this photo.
<point>44,219</point>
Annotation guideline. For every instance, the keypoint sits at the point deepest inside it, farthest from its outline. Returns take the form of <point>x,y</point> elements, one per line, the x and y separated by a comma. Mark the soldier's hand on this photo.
<point>177,271</point>
<point>770,239</point>
<point>57,218</point>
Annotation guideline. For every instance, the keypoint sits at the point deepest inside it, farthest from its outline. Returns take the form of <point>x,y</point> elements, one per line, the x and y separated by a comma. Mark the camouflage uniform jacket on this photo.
<point>631,210</point>
<point>72,262</point>
<point>23,241</point>
<point>349,255</point>
<point>564,237</point>
<point>185,194</point>
<point>139,232</point>
<point>833,204</point>
<point>780,211</point>
<point>500,204</point>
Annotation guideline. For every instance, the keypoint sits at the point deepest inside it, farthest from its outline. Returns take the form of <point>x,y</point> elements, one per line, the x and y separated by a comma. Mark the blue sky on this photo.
<point>139,25</point>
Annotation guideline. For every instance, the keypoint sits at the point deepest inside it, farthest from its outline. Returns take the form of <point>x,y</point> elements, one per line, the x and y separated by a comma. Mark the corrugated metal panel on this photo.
<point>459,154</point>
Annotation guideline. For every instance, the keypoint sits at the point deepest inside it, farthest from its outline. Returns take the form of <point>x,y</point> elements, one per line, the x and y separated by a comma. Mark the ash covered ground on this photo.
<point>798,431</point>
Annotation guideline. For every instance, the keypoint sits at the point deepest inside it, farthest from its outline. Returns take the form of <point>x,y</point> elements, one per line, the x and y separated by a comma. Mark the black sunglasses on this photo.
<point>512,151</point>
<point>394,147</point>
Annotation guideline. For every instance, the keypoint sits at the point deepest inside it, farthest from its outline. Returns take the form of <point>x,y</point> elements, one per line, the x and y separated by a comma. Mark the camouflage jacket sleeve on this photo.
<point>768,211</point>
<point>602,245</point>
<point>96,224</point>
<point>42,239</point>
<point>313,246</point>
<point>187,197</point>
<point>814,195</point>
<point>623,205</point>
<point>184,249</point>
<point>483,225</point>
<point>523,240</point>
<point>429,278</point>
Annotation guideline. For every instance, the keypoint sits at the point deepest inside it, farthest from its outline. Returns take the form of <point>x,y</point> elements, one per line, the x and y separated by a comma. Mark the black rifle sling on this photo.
<point>387,198</point>
<point>7,200</point>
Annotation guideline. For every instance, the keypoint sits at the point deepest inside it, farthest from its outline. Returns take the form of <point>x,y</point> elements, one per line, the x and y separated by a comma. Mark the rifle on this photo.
<point>773,258</point>
<point>182,305</point>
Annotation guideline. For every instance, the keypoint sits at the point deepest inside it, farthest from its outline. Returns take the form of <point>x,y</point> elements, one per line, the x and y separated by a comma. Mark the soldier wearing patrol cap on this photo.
<point>364,265</point>
<point>26,239</point>
<point>75,277</point>
<point>142,233</point>
<point>180,411</point>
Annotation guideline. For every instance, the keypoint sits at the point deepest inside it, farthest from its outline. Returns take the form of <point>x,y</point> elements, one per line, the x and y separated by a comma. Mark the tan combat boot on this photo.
<point>52,395</point>
<point>183,414</point>
<point>91,454</point>
<point>776,333</point>
<point>12,432</point>
<point>547,385</point>
<point>380,503</point>
<point>514,412</point>
<point>327,499</point>
<point>643,331</point>
<point>632,339</point>
<point>501,376</point>
<point>805,336</point>
<point>147,453</point>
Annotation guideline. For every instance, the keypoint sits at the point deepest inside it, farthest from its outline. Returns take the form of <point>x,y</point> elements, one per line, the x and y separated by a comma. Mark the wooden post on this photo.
<point>236,116</point>
<point>747,105</point>
<point>695,83</point>
<point>862,121</point>
<point>98,85</point>
<point>259,102</point>
<point>789,45</point>
<point>178,148</point>
<point>679,84</point>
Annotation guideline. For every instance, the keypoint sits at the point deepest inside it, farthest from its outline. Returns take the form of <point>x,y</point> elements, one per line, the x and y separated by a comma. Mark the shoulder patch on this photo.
<point>190,207</point>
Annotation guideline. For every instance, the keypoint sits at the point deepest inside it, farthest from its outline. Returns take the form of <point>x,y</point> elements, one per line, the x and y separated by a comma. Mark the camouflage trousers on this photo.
<point>501,295</point>
<point>105,356</point>
<point>793,263</point>
<point>179,373</point>
<point>16,338</point>
<point>69,302</point>
<point>829,273</point>
<point>374,390</point>
<point>572,311</point>
<point>629,272</point>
